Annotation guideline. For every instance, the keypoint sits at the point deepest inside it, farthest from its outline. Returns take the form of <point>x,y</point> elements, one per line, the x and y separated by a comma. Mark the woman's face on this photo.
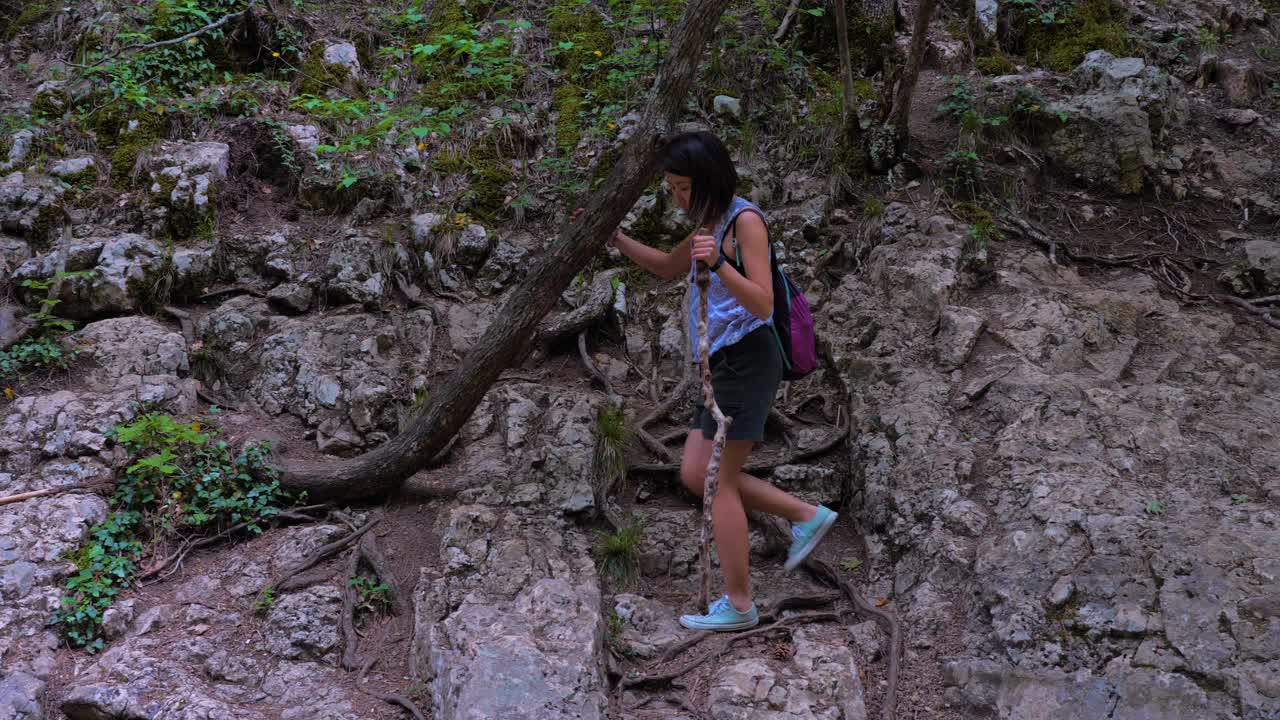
<point>681,188</point>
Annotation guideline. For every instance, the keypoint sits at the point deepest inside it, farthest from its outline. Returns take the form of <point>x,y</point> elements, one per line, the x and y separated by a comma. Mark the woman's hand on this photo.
<point>573,218</point>
<point>702,248</point>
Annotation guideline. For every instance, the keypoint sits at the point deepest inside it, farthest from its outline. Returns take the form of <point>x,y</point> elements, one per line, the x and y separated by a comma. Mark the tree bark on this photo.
<point>846,65</point>
<point>900,115</point>
<point>381,470</point>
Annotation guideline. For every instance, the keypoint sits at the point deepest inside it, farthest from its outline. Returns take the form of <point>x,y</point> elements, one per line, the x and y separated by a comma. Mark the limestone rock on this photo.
<point>304,624</point>
<point>958,331</point>
<point>820,681</point>
<point>30,205</point>
<point>184,179</point>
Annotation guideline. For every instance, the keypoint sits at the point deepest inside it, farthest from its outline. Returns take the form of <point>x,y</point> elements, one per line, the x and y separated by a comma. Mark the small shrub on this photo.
<point>612,437</point>
<point>372,597</point>
<point>182,483</point>
<point>619,553</point>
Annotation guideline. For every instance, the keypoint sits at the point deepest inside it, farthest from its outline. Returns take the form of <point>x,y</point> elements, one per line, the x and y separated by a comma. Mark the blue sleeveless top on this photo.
<point>727,320</point>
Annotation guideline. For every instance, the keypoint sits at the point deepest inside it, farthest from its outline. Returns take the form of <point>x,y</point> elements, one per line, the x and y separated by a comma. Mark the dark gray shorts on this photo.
<point>745,378</point>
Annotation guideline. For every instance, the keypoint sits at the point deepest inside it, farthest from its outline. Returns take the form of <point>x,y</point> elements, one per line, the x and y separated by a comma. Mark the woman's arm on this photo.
<point>755,290</point>
<point>667,265</point>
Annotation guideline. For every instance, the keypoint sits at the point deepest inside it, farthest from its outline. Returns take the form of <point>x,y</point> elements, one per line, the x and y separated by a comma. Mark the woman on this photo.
<point>746,362</point>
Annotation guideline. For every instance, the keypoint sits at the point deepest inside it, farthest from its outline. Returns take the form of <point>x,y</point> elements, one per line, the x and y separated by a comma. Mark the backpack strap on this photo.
<point>737,252</point>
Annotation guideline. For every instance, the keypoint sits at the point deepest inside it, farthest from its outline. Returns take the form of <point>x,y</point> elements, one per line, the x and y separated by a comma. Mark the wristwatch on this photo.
<point>716,265</point>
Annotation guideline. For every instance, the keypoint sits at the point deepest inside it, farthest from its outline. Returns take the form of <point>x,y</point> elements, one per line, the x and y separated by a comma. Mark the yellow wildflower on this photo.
<point>195,426</point>
<point>612,126</point>
<point>599,54</point>
<point>275,54</point>
<point>9,393</point>
<point>422,146</point>
<point>192,41</point>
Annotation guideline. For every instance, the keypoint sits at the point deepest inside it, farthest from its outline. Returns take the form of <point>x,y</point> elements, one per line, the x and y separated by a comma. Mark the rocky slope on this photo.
<point>1048,366</point>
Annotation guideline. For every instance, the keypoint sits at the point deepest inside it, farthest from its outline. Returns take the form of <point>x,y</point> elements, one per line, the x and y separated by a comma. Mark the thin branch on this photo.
<point>79,487</point>
<point>172,41</point>
<point>591,366</point>
<point>351,642</point>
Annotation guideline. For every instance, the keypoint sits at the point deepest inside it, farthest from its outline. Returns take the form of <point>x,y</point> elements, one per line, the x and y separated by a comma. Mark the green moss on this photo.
<point>996,64</point>
<point>123,133</point>
<point>317,76</point>
<point>50,104</point>
<point>568,102</point>
<point>488,175</point>
<point>869,38</point>
<point>578,22</point>
<point>1089,25</point>
<point>31,14</point>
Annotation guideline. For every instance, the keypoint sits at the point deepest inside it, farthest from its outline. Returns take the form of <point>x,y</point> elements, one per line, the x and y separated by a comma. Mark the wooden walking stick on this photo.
<point>702,276</point>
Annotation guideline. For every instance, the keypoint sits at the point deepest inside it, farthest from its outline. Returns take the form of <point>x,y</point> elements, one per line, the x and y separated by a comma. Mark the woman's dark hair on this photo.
<point>701,157</point>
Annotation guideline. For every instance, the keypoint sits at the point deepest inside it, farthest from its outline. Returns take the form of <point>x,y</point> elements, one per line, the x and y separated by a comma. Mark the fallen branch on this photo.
<point>702,276</point>
<point>171,41</point>
<point>282,582</point>
<point>391,698</point>
<point>78,487</point>
<point>674,397</point>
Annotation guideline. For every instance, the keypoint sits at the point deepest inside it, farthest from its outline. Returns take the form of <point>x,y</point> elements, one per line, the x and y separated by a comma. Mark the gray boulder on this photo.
<point>820,681</point>
<point>31,205</point>
<point>184,179</point>
<point>304,624</point>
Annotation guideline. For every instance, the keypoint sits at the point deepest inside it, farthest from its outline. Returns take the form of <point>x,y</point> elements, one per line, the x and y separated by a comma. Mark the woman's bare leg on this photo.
<point>756,494</point>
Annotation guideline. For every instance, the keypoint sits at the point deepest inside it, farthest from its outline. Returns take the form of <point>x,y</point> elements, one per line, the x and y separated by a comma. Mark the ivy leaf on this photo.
<point>816,12</point>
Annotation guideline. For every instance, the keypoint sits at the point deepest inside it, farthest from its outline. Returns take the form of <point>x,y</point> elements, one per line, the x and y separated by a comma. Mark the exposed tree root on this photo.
<point>821,448</point>
<point>667,676</point>
<point>350,642</point>
<point>285,581</point>
<point>393,699</point>
<point>371,553</point>
<point>591,366</point>
<point>176,558</point>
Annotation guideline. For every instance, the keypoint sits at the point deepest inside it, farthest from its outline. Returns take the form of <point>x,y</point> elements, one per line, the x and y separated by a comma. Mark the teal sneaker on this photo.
<point>722,616</point>
<point>806,536</point>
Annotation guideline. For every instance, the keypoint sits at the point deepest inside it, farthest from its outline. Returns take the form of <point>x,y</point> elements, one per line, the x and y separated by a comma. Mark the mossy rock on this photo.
<point>22,15</point>
<point>50,103</point>
<point>1059,46</point>
<point>317,76</point>
<point>996,64</point>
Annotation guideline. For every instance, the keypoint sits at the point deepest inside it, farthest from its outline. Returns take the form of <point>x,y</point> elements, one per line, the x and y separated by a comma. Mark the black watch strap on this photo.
<point>716,265</point>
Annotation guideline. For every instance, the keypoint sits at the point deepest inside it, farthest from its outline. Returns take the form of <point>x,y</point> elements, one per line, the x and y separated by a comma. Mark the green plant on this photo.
<point>963,171</point>
<point>1154,507</point>
<point>619,552</point>
<point>265,600</point>
<point>1073,30</point>
<point>372,597</point>
<point>32,353</point>
<point>960,100</point>
<point>1239,499</point>
<point>872,206</point>
<point>182,484</point>
<point>850,564</point>
<point>610,457</point>
<point>1208,39</point>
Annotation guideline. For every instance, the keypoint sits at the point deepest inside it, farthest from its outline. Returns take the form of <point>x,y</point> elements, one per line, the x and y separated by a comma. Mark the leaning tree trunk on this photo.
<point>381,470</point>
<point>846,65</point>
<point>900,108</point>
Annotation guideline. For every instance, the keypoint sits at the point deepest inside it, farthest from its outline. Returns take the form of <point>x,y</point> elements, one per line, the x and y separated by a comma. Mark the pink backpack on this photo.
<point>792,321</point>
